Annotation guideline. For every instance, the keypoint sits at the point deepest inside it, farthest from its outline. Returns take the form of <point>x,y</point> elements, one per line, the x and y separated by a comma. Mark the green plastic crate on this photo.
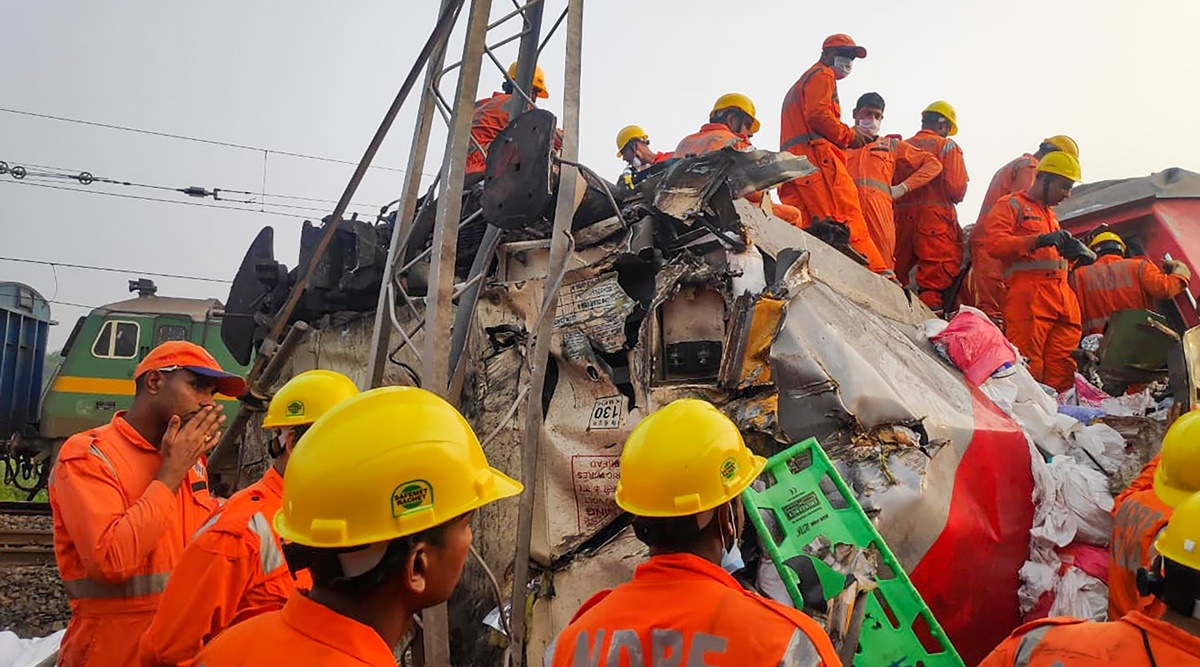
<point>809,499</point>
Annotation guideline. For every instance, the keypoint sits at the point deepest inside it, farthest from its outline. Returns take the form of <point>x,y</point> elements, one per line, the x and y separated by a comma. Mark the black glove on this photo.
<point>1074,250</point>
<point>1052,239</point>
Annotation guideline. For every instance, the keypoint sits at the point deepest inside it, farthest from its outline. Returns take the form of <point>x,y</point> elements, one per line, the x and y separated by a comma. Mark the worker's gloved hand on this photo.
<point>1174,267</point>
<point>830,231</point>
<point>899,191</point>
<point>1075,250</point>
<point>1052,240</point>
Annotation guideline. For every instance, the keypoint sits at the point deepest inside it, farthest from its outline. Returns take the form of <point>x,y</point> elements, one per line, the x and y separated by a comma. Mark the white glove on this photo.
<point>899,191</point>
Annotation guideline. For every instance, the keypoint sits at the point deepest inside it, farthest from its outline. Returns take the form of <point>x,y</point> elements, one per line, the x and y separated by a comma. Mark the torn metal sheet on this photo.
<point>758,170</point>
<point>592,312</point>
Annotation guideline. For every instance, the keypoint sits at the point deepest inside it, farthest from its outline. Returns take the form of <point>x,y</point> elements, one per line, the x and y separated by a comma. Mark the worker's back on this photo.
<point>1114,283</point>
<point>1136,639</point>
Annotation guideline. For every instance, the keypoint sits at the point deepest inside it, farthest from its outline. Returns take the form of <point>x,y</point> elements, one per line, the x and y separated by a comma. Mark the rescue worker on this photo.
<point>633,146</point>
<point>927,233</point>
<point>1116,283</point>
<point>377,505</point>
<point>811,126</point>
<point>1136,638</point>
<point>984,285</point>
<point>731,123</point>
<point>128,495</point>
<point>683,469</point>
<point>491,116</point>
<point>234,566</point>
<point>1139,517</point>
<point>1041,314</point>
<point>873,167</point>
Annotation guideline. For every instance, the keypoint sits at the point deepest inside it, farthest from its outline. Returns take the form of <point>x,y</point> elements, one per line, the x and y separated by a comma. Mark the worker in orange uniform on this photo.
<point>874,165</point>
<point>1138,518</point>
<point>984,285</point>
<point>927,233</point>
<point>492,115</point>
<point>683,469</point>
<point>1136,638</point>
<point>128,495</point>
<point>234,566</point>
<point>812,126</point>
<point>633,146</point>
<point>731,123</point>
<point>377,505</point>
<point>1041,314</point>
<point>1115,282</point>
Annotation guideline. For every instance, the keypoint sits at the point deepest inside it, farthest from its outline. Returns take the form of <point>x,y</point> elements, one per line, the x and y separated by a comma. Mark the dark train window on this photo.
<point>117,340</point>
<point>168,332</point>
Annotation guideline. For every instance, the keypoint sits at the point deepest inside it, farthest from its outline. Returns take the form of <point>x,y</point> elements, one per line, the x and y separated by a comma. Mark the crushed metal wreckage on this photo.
<point>686,289</point>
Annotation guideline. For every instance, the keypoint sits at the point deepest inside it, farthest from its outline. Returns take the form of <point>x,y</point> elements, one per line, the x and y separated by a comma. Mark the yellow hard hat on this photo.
<point>947,112</point>
<point>539,80</point>
<point>684,459</point>
<point>1178,473</point>
<point>1106,237</point>
<point>306,397</point>
<point>628,134</point>
<point>389,462</point>
<point>1180,540</point>
<point>737,101</point>
<point>1063,143</point>
<point>1061,163</point>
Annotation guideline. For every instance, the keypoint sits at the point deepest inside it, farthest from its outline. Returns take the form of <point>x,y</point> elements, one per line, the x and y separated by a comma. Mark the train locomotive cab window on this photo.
<point>117,340</point>
<point>168,332</point>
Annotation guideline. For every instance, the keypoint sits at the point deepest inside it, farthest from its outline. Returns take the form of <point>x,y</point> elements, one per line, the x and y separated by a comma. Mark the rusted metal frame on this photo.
<point>559,255</point>
<point>447,115</point>
<point>402,228</point>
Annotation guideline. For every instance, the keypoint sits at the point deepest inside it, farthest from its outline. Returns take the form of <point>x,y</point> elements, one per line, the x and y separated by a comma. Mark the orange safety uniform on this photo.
<point>1136,523</point>
<point>715,136</point>
<point>1135,639</point>
<point>984,287</point>
<point>232,569</point>
<point>1041,314</point>
<point>873,167</point>
<point>927,232</point>
<point>118,534</point>
<point>1144,480</point>
<point>681,605</point>
<point>491,116</point>
<point>811,126</point>
<point>1114,283</point>
<point>302,634</point>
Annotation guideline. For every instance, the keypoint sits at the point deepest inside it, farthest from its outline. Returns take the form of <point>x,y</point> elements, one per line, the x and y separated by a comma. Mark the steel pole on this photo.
<point>559,248</point>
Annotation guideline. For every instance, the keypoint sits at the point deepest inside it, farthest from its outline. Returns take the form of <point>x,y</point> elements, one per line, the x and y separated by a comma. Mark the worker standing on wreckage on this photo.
<point>377,505</point>
<point>683,469</point>
<point>128,495</point>
<point>1136,638</point>
<point>1116,282</point>
<point>492,115</point>
<point>873,168</point>
<point>234,568</point>
<point>633,146</point>
<point>811,126</point>
<point>1041,313</point>
<point>731,123</point>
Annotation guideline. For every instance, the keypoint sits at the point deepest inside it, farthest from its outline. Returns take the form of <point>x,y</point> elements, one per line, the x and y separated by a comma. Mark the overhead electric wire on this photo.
<point>184,137</point>
<point>111,269</point>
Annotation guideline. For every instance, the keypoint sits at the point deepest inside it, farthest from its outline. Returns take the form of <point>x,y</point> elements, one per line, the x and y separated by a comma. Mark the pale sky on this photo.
<point>316,77</point>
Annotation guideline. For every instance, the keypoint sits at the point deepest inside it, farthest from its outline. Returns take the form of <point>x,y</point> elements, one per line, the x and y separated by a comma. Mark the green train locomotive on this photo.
<point>95,381</point>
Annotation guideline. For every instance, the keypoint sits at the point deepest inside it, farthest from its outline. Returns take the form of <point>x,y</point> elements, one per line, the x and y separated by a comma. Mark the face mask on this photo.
<point>731,556</point>
<point>869,125</point>
<point>842,66</point>
<point>637,162</point>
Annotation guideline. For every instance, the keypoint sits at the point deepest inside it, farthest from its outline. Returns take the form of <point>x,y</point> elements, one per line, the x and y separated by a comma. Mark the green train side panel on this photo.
<point>809,499</point>
<point>95,380</point>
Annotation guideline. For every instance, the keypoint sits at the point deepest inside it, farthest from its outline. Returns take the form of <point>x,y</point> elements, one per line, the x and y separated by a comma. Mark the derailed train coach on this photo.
<point>689,290</point>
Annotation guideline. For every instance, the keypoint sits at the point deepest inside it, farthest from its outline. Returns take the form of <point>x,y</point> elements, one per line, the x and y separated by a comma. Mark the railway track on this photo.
<point>21,508</point>
<point>26,546</point>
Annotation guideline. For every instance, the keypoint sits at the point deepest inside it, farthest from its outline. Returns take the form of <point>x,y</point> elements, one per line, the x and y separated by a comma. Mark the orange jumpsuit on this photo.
<point>1041,314</point>
<point>232,569</point>
<point>491,116</point>
<point>715,136</point>
<point>681,605</point>
<point>302,634</point>
<point>812,127</point>
<point>1135,639</point>
<point>1114,283</point>
<point>873,166</point>
<point>1144,481</point>
<point>984,286</point>
<point>118,534</point>
<point>927,231</point>
<point>1136,523</point>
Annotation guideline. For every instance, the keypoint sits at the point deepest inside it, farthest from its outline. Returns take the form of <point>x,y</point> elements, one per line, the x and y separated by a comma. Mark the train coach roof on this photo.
<point>1173,183</point>
<point>197,309</point>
